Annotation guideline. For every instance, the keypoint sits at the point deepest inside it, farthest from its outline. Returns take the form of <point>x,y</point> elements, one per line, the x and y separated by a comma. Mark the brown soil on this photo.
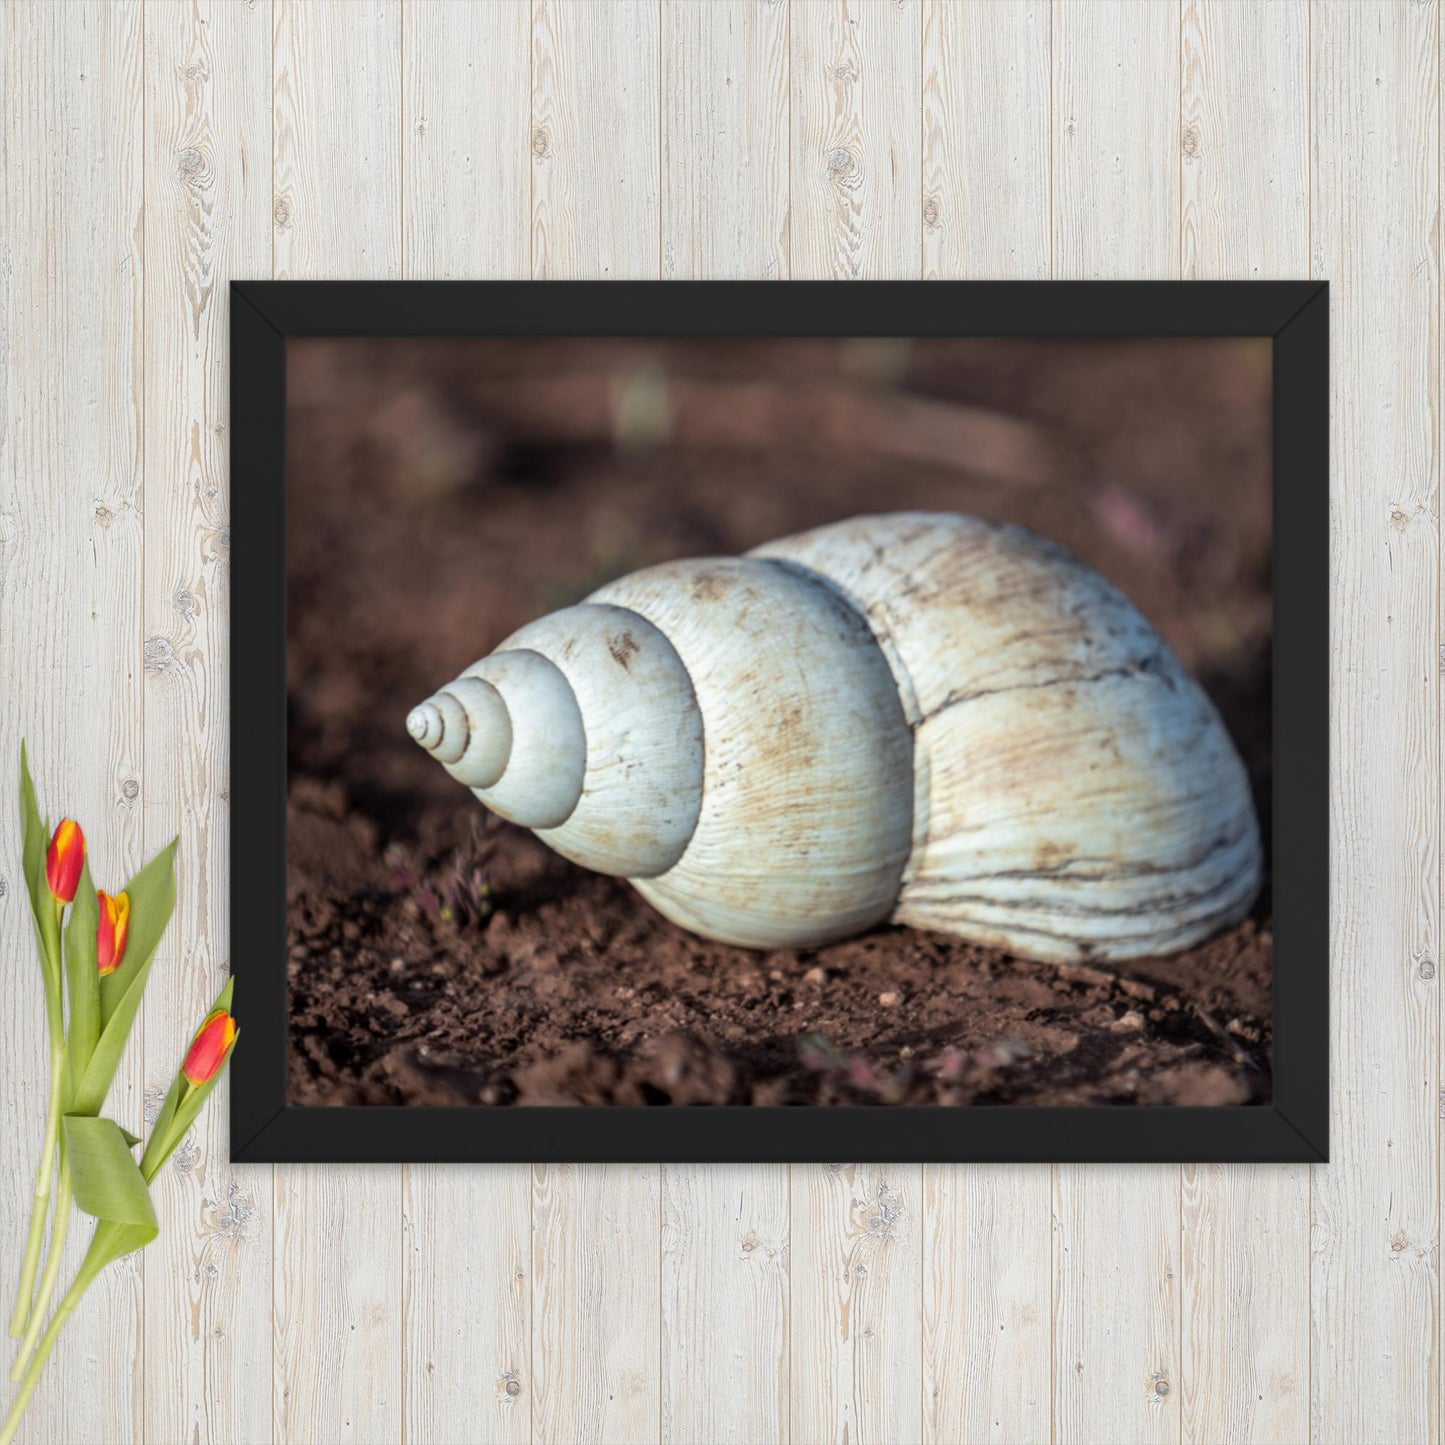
<point>443,493</point>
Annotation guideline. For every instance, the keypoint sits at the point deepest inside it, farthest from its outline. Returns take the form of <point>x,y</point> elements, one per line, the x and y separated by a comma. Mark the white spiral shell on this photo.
<point>920,717</point>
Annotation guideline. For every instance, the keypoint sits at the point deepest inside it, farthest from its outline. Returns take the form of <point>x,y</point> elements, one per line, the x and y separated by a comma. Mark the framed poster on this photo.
<point>764,721</point>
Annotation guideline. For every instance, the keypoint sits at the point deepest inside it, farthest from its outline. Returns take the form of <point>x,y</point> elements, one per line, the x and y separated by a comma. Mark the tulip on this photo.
<point>64,860</point>
<point>209,1047</point>
<point>114,926</point>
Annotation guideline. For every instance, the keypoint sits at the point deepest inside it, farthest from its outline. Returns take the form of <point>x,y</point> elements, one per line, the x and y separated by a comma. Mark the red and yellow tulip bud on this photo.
<point>209,1047</point>
<point>64,859</point>
<point>110,936</point>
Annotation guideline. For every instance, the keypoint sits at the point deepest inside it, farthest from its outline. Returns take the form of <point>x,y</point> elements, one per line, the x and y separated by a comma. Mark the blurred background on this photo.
<point>441,493</point>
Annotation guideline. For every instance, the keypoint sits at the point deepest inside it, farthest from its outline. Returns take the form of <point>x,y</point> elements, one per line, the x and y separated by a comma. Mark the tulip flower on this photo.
<point>64,860</point>
<point>114,926</point>
<point>209,1048</point>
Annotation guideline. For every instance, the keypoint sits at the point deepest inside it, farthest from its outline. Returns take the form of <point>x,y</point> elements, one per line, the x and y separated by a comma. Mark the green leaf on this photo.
<point>82,978</point>
<point>152,899</point>
<point>107,1181</point>
<point>35,836</point>
<point>183,1102</point>
<point>131,1139</point>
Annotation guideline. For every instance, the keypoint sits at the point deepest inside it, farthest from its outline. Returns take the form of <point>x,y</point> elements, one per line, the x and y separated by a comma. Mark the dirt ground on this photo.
<point>443,493</point>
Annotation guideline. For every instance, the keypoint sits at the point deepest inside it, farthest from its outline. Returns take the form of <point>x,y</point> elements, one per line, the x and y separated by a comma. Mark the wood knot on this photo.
<point>1190,142</point>
<point>281,212</point>
<point>842,163</point>
<point>160,655</point>
<point>932,213</point>
<point>541,143</point>
<point>130,790</point>
<point>191,162</point>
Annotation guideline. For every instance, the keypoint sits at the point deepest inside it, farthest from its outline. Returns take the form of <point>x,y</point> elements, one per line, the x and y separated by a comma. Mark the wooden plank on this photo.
<point>1115,212</point>
<point>724,1304</point>
<point>1114,193</point>
<point>856,1254</point>
<point>725,1228</point>
<point>207,166</point>
<point>596,1231</point>
<point>1244,140</point>
<point>596,160</point>
<point>466,1306</point>
<point>725,140</point>
<point>337,213</point>
<point>986,1228</point>
<point>856,139</point>
<point>986,1287</point>
<point>1375,191</point>
<point>336,158</point>
<point>1244,1280</point>
<point>1116,1303</point>
<point>857,1338</point>
<point>337,1305</point>
<point>466,163</point>
<point>467,1267</point>
<point>71,288</point>
<point>985,140</point>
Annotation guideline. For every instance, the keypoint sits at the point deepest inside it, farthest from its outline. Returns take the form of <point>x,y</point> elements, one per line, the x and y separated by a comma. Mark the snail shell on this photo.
<point>926,718</point>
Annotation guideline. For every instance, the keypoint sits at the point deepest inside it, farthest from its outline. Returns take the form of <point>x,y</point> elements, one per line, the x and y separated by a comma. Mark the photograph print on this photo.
<point>804,722</point>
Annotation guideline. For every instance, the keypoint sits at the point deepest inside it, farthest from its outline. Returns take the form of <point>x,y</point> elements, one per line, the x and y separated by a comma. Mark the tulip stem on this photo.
<point>54,1259</point>
<point>40,1208</point>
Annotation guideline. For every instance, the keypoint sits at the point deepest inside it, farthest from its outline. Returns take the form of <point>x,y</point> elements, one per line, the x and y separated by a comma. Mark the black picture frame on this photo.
<point>1294,1127</point>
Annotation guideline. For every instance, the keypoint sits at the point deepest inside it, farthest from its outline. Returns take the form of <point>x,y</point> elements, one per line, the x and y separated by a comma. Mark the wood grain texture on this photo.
<point>208,193</point>
<point>724,1306</point>
<point>596,1291</point>
<point>1374,182</point>
<point>986,1283</point>
<point>1116,1303</point>
<point>337,212</point>
<point>1115,212</point>
<point>596,144</point>
<point>725,1273</point>
<point>151,153</point>
<point>71,567</point>
<point>336,156</point>
<point>1244,1252</point>
<point>855,71</point>
<point>987,1331</point>
<point>466,159</point>
<point>857,1280</point>
<point>1244,142</point>
<point>986,140</point>
<point>466,1321</point>
<point>1114,144</point>
<point>466,1306</point>
<point>336,1306</point>
<point>725,140</point>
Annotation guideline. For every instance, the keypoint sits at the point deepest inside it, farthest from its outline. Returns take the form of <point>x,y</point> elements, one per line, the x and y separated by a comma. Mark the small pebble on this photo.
<point>888,999</point>
<point>776,974</point>
<point>815,975</point>
<point>905,1052</point>
<point>1128,1023</point>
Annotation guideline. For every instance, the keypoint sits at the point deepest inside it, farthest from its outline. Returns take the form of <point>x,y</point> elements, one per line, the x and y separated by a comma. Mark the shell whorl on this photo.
<point>511,730</point>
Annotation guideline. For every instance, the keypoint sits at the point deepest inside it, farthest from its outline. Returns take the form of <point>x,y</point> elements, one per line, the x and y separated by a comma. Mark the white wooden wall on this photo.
<point>154,149</point>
